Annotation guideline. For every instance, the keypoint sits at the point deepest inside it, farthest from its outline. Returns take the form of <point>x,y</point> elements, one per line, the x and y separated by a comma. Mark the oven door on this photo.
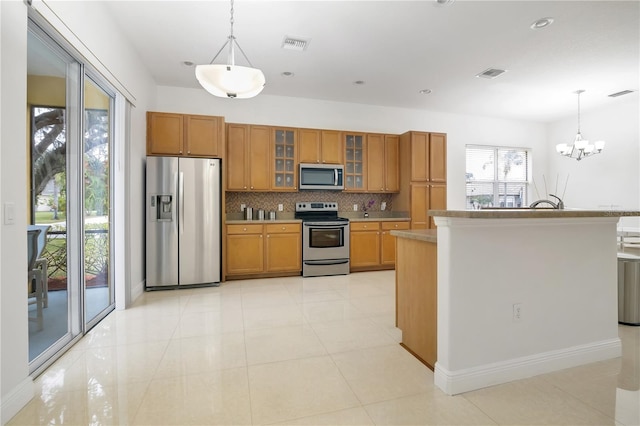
<point>325,240</point>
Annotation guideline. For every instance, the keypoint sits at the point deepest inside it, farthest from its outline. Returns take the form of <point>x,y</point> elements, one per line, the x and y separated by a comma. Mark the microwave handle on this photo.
<point>335,177</point>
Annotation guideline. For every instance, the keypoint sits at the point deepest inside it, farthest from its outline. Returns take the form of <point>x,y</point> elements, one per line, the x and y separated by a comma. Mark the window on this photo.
<point>497,176</point>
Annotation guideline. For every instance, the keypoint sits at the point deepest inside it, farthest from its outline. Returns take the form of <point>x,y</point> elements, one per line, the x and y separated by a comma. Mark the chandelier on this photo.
<point>580,148</point>
<point>230,80</point>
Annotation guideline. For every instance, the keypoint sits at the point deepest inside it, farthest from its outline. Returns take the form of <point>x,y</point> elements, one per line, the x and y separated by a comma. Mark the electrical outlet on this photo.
<point>355,207</point>
<point>280,207</point>
<point>517,311</point>
<point>383,206</point>
<point>243,206</point>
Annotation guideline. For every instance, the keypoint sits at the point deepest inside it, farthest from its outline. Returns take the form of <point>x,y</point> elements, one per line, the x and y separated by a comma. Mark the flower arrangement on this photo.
<point>367,206</point>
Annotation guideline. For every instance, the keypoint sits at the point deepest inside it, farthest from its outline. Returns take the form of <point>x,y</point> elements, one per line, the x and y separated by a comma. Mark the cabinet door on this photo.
<point>391,163</point>
<point>237,157</point>
<point>375,163</point>
<point>419,206</point>
<point>437,157</point>
<point>354,162</point>
<point>331,147</point>
<point>308,146</point>
<point>165,133</point>
<point>283,150</point>
<point>388,241</point>
<point>259,158</point>
<point>364,248</point>
<point>245,254</point>
<point>202,135</point>
<point>284,252</point>
<point>437,200</point>
<point>419,156</point>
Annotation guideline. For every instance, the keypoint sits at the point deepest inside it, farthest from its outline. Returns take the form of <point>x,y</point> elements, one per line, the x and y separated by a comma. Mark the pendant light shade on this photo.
<point>230,80</point>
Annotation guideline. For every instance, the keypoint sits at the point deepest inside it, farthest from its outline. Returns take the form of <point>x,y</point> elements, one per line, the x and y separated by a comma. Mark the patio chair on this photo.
<point>41,261</point>
<point>34,283</point>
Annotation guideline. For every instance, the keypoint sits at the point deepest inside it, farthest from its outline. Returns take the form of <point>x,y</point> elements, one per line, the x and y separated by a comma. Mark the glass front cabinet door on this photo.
<point>354,165</point>
<point>284,150</point>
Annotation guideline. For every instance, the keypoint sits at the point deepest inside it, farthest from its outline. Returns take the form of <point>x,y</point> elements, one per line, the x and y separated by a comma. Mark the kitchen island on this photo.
<point>519,292</point>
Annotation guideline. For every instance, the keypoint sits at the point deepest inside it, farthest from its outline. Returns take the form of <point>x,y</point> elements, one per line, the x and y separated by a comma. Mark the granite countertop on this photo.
<point>526,213</point>
<point>427,235</point>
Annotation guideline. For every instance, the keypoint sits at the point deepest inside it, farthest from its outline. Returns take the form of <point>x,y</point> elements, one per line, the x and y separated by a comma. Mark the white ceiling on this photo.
<point>400,47</point>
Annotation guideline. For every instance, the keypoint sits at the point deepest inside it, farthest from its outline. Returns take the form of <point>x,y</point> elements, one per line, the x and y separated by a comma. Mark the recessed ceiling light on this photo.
<point>358,82</point>
<point>541,23</point>
<point>187,63</point>
<point>287,74</point>
<point>425,91</point>
<point>443,2</point>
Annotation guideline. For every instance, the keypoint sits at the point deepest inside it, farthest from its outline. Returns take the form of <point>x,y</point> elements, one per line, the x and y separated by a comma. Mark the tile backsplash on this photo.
<point>269,201</point>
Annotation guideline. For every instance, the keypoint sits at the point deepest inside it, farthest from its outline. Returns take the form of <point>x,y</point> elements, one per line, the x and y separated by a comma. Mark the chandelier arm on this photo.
<point>243,54</point>
<point>219,51</point>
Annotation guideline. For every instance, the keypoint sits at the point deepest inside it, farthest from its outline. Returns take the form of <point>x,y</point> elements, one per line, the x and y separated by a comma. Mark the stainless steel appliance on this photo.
<point>325,239</point>
<point>183,222</point>
<point>321,176</point>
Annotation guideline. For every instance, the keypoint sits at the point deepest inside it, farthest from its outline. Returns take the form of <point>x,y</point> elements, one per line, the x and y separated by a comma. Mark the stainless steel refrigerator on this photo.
<point>183,221</point>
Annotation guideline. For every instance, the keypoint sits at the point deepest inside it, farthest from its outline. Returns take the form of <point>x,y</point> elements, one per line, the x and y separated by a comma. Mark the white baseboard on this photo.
<point>455,382</point>
<point>16,399</point>
<point>137,290</point>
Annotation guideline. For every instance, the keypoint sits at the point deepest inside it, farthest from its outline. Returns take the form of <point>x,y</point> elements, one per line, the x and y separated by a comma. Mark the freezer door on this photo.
<point>199,220</point>
<point>162,222</point>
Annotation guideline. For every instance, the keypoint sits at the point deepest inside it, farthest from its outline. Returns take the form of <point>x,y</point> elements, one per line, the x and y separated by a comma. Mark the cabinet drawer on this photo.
<point>244,229</point>
<point>395,225</point>
<point>280,228</point>
<point>364,226</point>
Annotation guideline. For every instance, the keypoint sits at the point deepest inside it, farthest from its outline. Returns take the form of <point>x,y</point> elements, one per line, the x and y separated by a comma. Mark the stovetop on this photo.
<point>318,211</point>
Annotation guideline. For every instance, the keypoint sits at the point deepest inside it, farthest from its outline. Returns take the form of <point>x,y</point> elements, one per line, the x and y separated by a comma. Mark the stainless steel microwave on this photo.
<point>321,176</point>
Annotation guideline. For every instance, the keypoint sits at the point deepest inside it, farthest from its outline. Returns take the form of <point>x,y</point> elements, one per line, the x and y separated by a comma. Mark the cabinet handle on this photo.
<point>284,227</point>
<point>252,187</point>
<point>245,187</point>
<point>268,236</point>
<point>244,229</point>
<point>396,225</point>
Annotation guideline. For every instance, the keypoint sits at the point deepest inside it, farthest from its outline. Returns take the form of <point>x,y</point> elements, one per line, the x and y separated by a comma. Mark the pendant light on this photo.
<point>580,148</point>
<point>230,80</point>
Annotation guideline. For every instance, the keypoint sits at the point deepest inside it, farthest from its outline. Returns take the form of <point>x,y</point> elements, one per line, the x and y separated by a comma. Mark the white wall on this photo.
<point>297,112</point>
<point>87,26</point>
<point>610,180</point>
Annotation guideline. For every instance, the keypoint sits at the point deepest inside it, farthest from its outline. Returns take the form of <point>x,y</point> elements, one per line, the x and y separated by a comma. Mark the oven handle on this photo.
<point>326,224</point>
<point>326,262</point>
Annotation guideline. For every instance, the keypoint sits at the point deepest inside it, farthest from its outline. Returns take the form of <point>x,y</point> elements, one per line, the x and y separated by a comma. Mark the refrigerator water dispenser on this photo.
<point>163,207</point>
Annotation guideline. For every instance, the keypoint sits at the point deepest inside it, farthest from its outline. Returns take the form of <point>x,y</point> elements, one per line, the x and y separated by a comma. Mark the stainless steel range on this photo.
<point>325,239</point>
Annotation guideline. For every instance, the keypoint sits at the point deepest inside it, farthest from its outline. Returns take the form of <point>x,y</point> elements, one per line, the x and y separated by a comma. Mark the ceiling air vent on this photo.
<point>623,92</point>
<point>295,43</point>
<point>491,73</point>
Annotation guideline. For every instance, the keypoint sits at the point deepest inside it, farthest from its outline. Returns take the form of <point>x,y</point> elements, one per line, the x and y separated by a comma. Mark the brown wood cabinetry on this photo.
<point>184,135</point>
<point>354,167</point>
<point>423,176</point>
<point>382,163</point>
<point>263,249</point>
<point>320,146</point>
<point>372,246</point>
<point>248,157</point>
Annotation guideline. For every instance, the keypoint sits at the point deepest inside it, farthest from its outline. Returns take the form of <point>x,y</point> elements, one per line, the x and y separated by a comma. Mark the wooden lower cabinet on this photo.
<point>372,246</point>
<point>263,249</point>
<point>417,298</point>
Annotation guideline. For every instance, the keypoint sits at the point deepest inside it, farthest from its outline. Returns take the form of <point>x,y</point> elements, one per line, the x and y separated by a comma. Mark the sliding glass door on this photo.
<point>70,118</point>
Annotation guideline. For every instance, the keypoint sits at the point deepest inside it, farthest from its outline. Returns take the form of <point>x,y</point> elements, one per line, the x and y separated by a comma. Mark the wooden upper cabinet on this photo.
<point>382,163</point>
<point>165,133</point>
<point>259,158</point>
<point>355,162</point>
<point>184,135</point>
<point>331,151</point>
<point>248,157</point>
<point>237,156</point>
<point>308,146</point>
<point>437,157</point>
<point>319,146</point>
<point>428,156</point>
<point>203,136</point>
<point>392,163</point>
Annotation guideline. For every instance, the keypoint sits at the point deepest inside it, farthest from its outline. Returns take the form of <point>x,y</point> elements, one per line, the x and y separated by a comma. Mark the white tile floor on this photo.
<point>313,351</point>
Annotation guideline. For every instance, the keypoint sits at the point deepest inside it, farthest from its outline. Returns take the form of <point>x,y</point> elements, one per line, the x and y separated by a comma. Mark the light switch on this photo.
<point>280,207</point>
<point>9,213</point>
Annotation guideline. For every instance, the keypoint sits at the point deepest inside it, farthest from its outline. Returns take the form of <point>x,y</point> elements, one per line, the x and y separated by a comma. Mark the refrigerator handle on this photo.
<point>181,203</point>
